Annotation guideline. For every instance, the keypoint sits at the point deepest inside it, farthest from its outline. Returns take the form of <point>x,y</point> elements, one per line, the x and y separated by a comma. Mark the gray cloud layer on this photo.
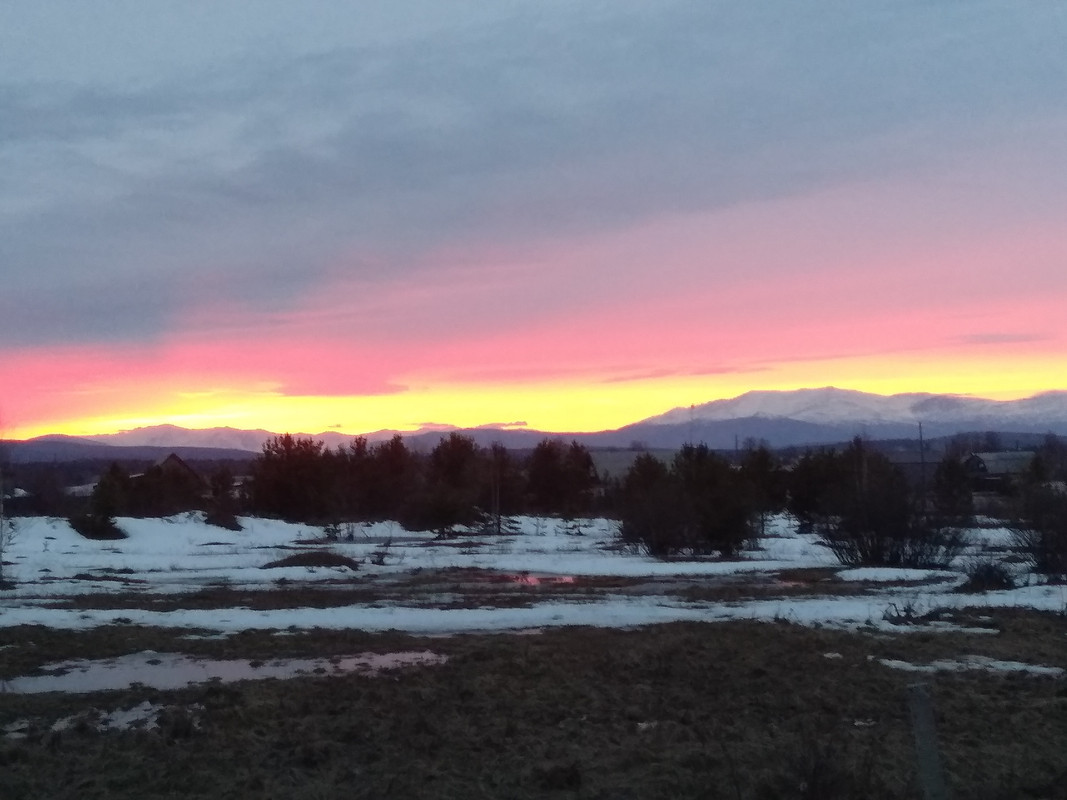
<point>257,174</point>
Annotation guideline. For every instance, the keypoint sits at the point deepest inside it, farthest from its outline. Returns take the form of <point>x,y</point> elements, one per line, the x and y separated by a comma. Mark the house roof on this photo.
<point>175,464</point>
<point>1006,462</point>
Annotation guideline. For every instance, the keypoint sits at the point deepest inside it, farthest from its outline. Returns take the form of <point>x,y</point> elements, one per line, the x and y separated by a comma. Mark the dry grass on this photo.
<point>738,710</point>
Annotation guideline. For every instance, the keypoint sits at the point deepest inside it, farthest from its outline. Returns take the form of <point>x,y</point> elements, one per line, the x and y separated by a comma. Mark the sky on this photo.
<point>569,216</point>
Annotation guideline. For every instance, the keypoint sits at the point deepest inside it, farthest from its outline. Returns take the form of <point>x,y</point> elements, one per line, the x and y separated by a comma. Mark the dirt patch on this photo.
<point>220,597</point>
<point>809,575</point>
<point>314,558</point>
<point>86,576</point>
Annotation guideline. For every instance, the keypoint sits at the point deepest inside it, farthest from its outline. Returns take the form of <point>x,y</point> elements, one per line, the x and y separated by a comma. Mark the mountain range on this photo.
<point>782,418</point>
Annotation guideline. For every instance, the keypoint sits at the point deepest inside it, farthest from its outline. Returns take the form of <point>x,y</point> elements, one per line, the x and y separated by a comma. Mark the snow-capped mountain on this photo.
<point>831,406</point>
<point>801,417</point>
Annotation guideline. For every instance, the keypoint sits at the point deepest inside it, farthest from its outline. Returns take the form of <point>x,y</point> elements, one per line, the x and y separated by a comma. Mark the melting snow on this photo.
<point>965,663</point>
<point>174,671</point>
<point>52,564</point>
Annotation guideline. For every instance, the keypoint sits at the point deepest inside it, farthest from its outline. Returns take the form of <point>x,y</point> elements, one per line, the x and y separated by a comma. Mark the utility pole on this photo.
<point>4,537</point>
<point>922,472</point>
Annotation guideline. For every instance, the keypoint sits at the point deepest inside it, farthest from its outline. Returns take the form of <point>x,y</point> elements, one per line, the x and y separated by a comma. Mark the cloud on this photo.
<point>256,177</point>
<point>686,372</point>
<point>1003,338</point>
<point>334,383</point>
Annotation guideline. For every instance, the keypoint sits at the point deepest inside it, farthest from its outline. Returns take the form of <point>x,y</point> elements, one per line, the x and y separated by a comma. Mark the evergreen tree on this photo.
<point>953,499</point>
<point>561,478</point>
<point>290,479</point>
<point>501,489</point>
<point>394,478</point>
<point>761,476</point>
<point>107,501</point>
<point>452,485</point>
<point>869,516</point>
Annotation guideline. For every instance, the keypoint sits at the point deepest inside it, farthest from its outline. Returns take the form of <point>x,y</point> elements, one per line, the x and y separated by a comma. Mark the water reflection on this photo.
<point>176,671</point>
<point>526,579</point>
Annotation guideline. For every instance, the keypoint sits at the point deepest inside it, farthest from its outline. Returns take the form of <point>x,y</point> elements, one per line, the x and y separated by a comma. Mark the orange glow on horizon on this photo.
<point>572,405</point>
<point>861,287</point>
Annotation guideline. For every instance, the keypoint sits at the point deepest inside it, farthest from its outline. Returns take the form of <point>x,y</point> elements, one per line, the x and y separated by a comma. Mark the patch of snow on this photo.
<point>891,574</point>
<point>966,663</point>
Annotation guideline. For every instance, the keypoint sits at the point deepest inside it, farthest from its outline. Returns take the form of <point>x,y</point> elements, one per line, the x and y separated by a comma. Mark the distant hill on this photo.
<point>783,419</point>
<point>69,448</point>
<point>837,407</point>
<point>820,416</point>
<point>219,438</point>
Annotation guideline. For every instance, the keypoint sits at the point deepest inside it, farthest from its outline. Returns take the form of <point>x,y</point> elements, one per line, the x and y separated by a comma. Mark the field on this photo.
<point>546,662</point>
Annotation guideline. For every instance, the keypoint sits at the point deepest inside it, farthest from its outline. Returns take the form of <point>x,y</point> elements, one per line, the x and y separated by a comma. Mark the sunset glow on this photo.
<point>449,222</point>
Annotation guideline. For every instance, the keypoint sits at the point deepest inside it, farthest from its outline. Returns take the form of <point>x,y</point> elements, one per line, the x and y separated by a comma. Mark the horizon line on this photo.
<point>444,427</point>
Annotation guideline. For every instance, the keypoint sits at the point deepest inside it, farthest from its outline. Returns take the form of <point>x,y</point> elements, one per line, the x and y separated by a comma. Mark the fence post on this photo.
<point>931,774</point>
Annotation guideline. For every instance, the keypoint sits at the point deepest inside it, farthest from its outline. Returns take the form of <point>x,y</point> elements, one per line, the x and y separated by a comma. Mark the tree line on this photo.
<point>299,479</point>
<point>859,503</point>
<point>700,502</point>
<point>456,483</point>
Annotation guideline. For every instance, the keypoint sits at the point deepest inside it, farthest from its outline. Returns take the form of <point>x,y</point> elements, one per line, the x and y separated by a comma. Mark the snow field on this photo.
<point>50,562</point>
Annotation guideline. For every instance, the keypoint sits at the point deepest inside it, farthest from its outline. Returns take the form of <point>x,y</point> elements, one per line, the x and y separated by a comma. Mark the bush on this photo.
<point>223,519</point>
<point>316,558</point>
<point>987,575</point>
<point>652,510</point>
<point>1040,531</point>
<point>698,505</point>
<point>916,544</point>
<point>94,526</point>
<point>868,517</point>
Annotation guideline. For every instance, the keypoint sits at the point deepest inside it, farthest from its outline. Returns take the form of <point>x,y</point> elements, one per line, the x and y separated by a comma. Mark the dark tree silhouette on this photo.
<point>290,479</point>
<point>953,499</point>
<point>870,517</point>
<point>561,478</point>
<point>454,475</point>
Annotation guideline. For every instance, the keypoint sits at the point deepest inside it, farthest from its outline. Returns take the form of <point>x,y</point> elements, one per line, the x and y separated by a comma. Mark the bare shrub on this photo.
<point>1040,532</point>
<point>914,543</point>
<point>867,516</point>
<point>987,575</point>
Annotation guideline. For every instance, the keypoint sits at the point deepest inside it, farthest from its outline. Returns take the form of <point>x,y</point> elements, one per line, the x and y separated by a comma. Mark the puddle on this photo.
<point>143,717</point>
<point>176,671</point>
<point>537,580</point>
<point>524,579</point>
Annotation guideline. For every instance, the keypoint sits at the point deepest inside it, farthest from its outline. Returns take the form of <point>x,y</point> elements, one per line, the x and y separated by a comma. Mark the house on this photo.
<point>997,471</point>
<point>174,467</point>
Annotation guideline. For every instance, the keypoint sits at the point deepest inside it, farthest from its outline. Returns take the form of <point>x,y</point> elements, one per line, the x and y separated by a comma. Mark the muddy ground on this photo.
<point>730,710</point>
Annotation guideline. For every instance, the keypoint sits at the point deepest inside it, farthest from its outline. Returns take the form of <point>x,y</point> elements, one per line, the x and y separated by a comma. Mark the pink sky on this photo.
<point>571,218</point>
